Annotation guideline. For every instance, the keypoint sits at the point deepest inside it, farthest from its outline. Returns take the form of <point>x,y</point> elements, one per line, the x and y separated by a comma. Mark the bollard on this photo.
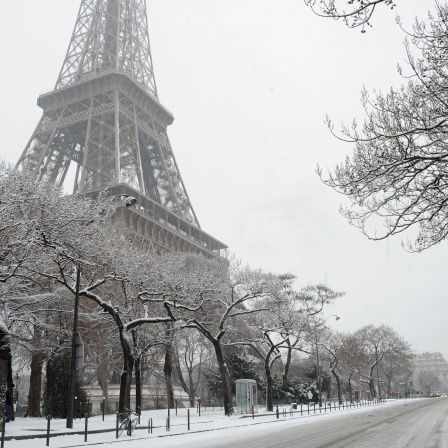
<point>176,406</point>
<point>74,408</point>
<point>48,430</point>
<point>85,431</point>
<point>116,428</point>
<point>213,404</point>
<point>199,408</point>
<point>139,414</point>
<point>188,419</point>
<point>150,425</point>
<point>253,415</point>
<point>104,406</point>
<point>277,413</point>
<point>301,412</point>
<point>308,408</point>
<point>3,432</point>
<point>168,424</point>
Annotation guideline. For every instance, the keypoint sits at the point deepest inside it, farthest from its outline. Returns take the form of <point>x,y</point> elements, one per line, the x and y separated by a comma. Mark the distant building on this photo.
<point>431,362</point>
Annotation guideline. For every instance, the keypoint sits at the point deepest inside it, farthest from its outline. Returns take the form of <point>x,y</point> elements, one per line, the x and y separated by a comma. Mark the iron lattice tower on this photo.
<point>104,127</point>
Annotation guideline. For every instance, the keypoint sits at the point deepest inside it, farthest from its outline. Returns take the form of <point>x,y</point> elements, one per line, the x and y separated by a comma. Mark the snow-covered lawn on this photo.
<point>210,425</point>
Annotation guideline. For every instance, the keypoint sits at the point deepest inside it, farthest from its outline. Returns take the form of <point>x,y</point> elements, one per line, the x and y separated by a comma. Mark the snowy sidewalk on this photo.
<point>27,432</point>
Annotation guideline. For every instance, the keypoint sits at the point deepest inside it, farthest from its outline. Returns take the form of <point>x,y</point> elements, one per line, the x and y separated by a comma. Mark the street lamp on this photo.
<point>129,200</point>
<point>319,379</point>
<point>71,381</point>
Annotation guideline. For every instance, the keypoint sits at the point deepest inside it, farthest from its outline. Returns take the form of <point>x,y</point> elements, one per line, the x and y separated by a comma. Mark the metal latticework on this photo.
<point>103,124</point>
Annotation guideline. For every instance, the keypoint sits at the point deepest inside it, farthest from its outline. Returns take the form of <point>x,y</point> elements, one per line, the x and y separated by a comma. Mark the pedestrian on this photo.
<point>9,402</point>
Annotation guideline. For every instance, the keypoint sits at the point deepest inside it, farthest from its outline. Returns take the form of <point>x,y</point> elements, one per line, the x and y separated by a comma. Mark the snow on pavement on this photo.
<point>210,426</point>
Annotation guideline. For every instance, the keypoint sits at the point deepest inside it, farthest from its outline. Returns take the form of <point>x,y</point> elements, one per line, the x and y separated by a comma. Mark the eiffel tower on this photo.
<point>104,127</point>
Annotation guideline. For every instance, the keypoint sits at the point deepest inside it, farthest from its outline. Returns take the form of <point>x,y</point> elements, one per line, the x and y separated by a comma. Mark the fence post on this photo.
<point>85,432</point>
<point>150,425</point>
<point>168,424</point>
<point>188,419</point>
<point>139,413</point>
<point>104,406</point>
<point>116,427</point>
<point>277,413</point>
<point>48,430</point>
<point>253,415</point>
<point>176,406</point>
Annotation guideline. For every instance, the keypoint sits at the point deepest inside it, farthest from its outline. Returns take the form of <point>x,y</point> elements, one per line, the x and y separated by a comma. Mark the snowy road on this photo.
<point>414,424</point>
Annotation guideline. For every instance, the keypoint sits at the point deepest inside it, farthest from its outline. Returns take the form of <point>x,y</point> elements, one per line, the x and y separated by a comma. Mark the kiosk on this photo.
<point>246,396</point>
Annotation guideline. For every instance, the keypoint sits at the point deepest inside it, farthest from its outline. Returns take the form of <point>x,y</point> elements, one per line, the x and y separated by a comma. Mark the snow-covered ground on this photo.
<point>211,425</point>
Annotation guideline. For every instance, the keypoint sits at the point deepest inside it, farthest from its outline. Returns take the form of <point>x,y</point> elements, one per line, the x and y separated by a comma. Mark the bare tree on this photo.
<point>190,352</point>
<point>354,13</point>
<point>398,174</point>
<point>208,295</point>
<point>353,360</point>
<point>379,343</point>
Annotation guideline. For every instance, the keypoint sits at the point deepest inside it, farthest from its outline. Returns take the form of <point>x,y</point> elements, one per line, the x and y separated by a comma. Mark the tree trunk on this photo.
<point>48,386</point>
<point>287,365</point>
<point>103,382</point>
<point>188,390</point>
<point>138,385</point>
<point>34,394</point>
<point>105,389</point>
<point>168,366</point>
<point>5,362</point>
<point>338,386</point>
<point>372,388</point>
<point>269,385</point>
<point>225,377</point>
<point>124,401</point>
<point>138,377</point>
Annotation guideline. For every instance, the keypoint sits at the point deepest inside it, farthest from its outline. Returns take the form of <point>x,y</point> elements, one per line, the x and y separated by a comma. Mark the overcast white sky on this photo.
<point>249,83</point>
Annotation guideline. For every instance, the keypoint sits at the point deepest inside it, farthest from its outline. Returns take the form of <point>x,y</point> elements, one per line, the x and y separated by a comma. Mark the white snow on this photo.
<point>211,427</point>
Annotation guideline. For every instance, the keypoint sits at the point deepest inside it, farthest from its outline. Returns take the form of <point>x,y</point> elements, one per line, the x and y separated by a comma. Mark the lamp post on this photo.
<point>71,381</point>
<point>130,200</point>
<point>319,378</point>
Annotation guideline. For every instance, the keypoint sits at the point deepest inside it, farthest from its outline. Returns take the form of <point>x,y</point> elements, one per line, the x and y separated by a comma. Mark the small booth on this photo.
<point>246,396</point>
